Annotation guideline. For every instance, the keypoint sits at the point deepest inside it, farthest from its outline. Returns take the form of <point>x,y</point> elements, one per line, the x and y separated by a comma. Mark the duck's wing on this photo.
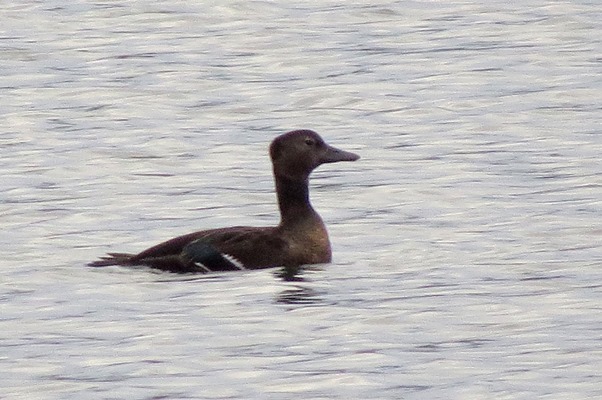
<point>175,246</point>
<point>225,249</point>
<point>169,249</point>
<point>242,248</point>
<point>229,249</point>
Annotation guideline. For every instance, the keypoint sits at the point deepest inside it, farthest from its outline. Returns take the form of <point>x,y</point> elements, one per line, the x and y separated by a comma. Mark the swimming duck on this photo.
<point>300,238</point>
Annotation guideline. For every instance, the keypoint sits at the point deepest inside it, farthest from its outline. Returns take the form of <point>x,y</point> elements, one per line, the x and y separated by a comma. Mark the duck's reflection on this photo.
<point>300,295</point>
<point>297,294</point>
<point>291,274</point>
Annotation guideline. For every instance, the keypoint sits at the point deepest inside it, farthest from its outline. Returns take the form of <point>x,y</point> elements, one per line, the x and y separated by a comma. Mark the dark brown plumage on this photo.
<point>300,238</point>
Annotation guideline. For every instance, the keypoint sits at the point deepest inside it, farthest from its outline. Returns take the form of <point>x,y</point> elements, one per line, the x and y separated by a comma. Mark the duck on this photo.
<point>299,239</point>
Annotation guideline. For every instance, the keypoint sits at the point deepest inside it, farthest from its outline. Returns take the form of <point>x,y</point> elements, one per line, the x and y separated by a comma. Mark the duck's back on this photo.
<point>246,247</point>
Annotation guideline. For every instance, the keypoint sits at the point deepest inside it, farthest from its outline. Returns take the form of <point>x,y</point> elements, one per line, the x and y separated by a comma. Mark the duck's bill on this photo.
<point>333,154</point>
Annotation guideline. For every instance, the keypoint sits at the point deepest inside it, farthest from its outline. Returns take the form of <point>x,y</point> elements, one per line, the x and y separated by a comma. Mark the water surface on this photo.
<point>467,240</point>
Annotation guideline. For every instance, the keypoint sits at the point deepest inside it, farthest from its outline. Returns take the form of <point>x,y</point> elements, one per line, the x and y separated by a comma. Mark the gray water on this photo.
<point>467,240</point>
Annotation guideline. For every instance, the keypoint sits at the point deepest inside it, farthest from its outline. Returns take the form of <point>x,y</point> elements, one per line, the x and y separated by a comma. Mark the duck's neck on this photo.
<point>293,200</point>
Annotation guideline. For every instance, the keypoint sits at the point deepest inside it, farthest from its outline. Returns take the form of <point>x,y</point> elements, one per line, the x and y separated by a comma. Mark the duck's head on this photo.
<point>295,154</point>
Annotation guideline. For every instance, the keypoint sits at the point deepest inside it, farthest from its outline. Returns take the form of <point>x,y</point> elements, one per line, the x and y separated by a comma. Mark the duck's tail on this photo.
<point>113,259</point>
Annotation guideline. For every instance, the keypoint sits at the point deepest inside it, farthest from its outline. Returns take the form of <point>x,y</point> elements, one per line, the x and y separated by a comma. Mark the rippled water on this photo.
<point>467,241</point>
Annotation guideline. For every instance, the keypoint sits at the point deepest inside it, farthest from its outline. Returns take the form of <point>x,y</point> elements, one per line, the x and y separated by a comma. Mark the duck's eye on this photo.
<point>310,142</point>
